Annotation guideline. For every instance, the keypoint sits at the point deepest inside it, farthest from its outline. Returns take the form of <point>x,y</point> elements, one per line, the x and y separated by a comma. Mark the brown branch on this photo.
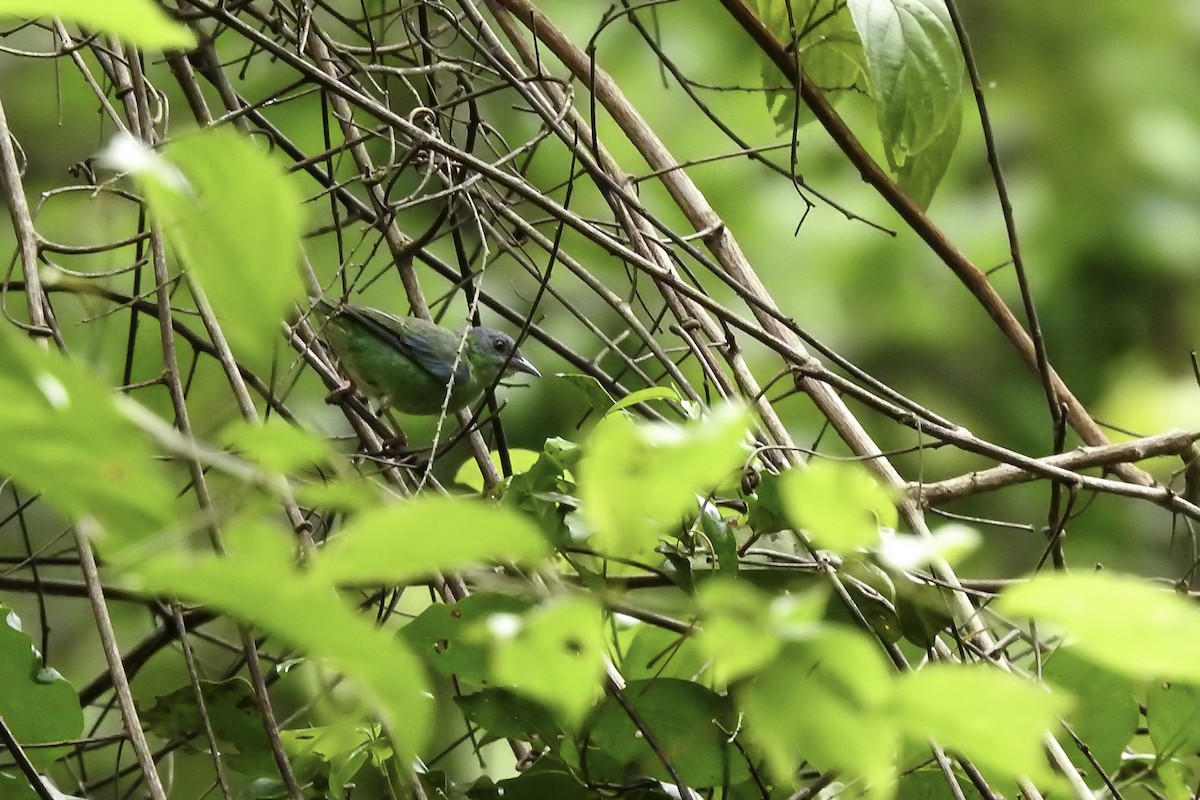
<point>988,480</point>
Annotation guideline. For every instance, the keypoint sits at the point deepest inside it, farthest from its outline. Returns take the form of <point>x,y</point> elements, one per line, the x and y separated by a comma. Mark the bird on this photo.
<point>415,366</point>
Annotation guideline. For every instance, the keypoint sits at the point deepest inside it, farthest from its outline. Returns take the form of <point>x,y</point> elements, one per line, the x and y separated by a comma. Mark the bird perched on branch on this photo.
<point>411,364</point>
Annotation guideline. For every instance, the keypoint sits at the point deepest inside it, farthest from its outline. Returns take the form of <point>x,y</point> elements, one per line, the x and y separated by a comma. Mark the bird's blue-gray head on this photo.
<point>494,352</point>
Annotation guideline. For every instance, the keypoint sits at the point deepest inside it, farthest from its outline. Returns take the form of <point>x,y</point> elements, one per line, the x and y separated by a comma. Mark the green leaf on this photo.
<point>37,703</point>
<point>840,505</point>
<point>737,633</point>
<point>916,71</point>
<point>234,217</point>
<point>902,53</point>
<point>720,536</point>
<point>276,445</point>
<point>257,582</point>
<point>597,396</point>
<point>549,778</point>
<point>349,493</point>
<point>338,752</point>
<point>450,637</point>
<point>545,492</point>
<point>765,507</point>
<point>554,654</point>
<point>416,538</point>
<point>923,610</point>
<point>874,594</point>
<point>1123,623</point>
<point>830,54</point>
<point>1174,779</point>
<point>504,715</point>
<point>1003,734</point>
<point>232,712</point>
<point>54,414</point>
<point>744,628</point>
<point>691,725</point>
<point>658,653</point>
<point>521,460</point>
<point>15,786</point>
<point>1173,719</point>
<point>826,700</point>
<point>636,481</point>
<point>1105,713</point>
<point>922,171</point>
<point>139,22</point>
<point>644,396</point>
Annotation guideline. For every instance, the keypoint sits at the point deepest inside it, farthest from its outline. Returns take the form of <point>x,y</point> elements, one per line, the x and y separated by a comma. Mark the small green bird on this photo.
<point>409,363</point>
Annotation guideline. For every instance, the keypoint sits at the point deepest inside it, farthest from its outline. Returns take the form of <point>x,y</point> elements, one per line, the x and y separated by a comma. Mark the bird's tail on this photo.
<point>322,308</point>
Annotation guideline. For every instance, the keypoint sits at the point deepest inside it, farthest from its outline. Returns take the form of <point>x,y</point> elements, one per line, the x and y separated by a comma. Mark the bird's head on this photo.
<point>492,352</point>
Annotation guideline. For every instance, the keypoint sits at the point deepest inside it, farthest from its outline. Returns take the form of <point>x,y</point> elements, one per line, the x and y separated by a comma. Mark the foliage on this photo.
<point>672,602</point>
<point>903,54</point>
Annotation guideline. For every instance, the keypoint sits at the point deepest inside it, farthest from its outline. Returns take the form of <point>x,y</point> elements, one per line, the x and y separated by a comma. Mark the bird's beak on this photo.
<point>519,363</point>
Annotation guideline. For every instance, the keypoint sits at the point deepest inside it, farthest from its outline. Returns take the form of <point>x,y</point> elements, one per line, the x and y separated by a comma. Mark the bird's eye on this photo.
<point>499,345</point>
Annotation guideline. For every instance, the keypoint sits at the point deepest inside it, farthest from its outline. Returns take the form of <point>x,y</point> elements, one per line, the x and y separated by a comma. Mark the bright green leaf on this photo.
<point>1173,779</point>
<point>54,414</point>
<point>234,218</point>
<point>276,445</point>
<point>736,632</point>
<point>257,582</point>
<point>720,538</point>
<point>638,480</point>
<point>337,752</point>
<point>416,538</point>
<point>840,505</point>
<point>1003,734</point>
<point>826,701</point>
<point>554,654</point>
<point>644,396</point>
<point>348,493</point>
<point>743,628</point>
<point>520,460</point>
<point>1123,623</point>
<point>916,70</point>
<point>139,22</point>
<point>546,489</point>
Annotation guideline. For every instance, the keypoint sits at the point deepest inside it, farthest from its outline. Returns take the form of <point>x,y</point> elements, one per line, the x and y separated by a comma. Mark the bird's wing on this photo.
<point>429,347</point>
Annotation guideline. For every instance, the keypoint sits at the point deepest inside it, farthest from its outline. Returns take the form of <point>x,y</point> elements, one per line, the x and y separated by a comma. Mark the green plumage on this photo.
<point>409,364</point>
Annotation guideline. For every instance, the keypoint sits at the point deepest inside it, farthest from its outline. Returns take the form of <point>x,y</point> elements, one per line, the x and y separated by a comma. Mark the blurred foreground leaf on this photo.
<point>1123,623</point>
<point>139,22</point>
